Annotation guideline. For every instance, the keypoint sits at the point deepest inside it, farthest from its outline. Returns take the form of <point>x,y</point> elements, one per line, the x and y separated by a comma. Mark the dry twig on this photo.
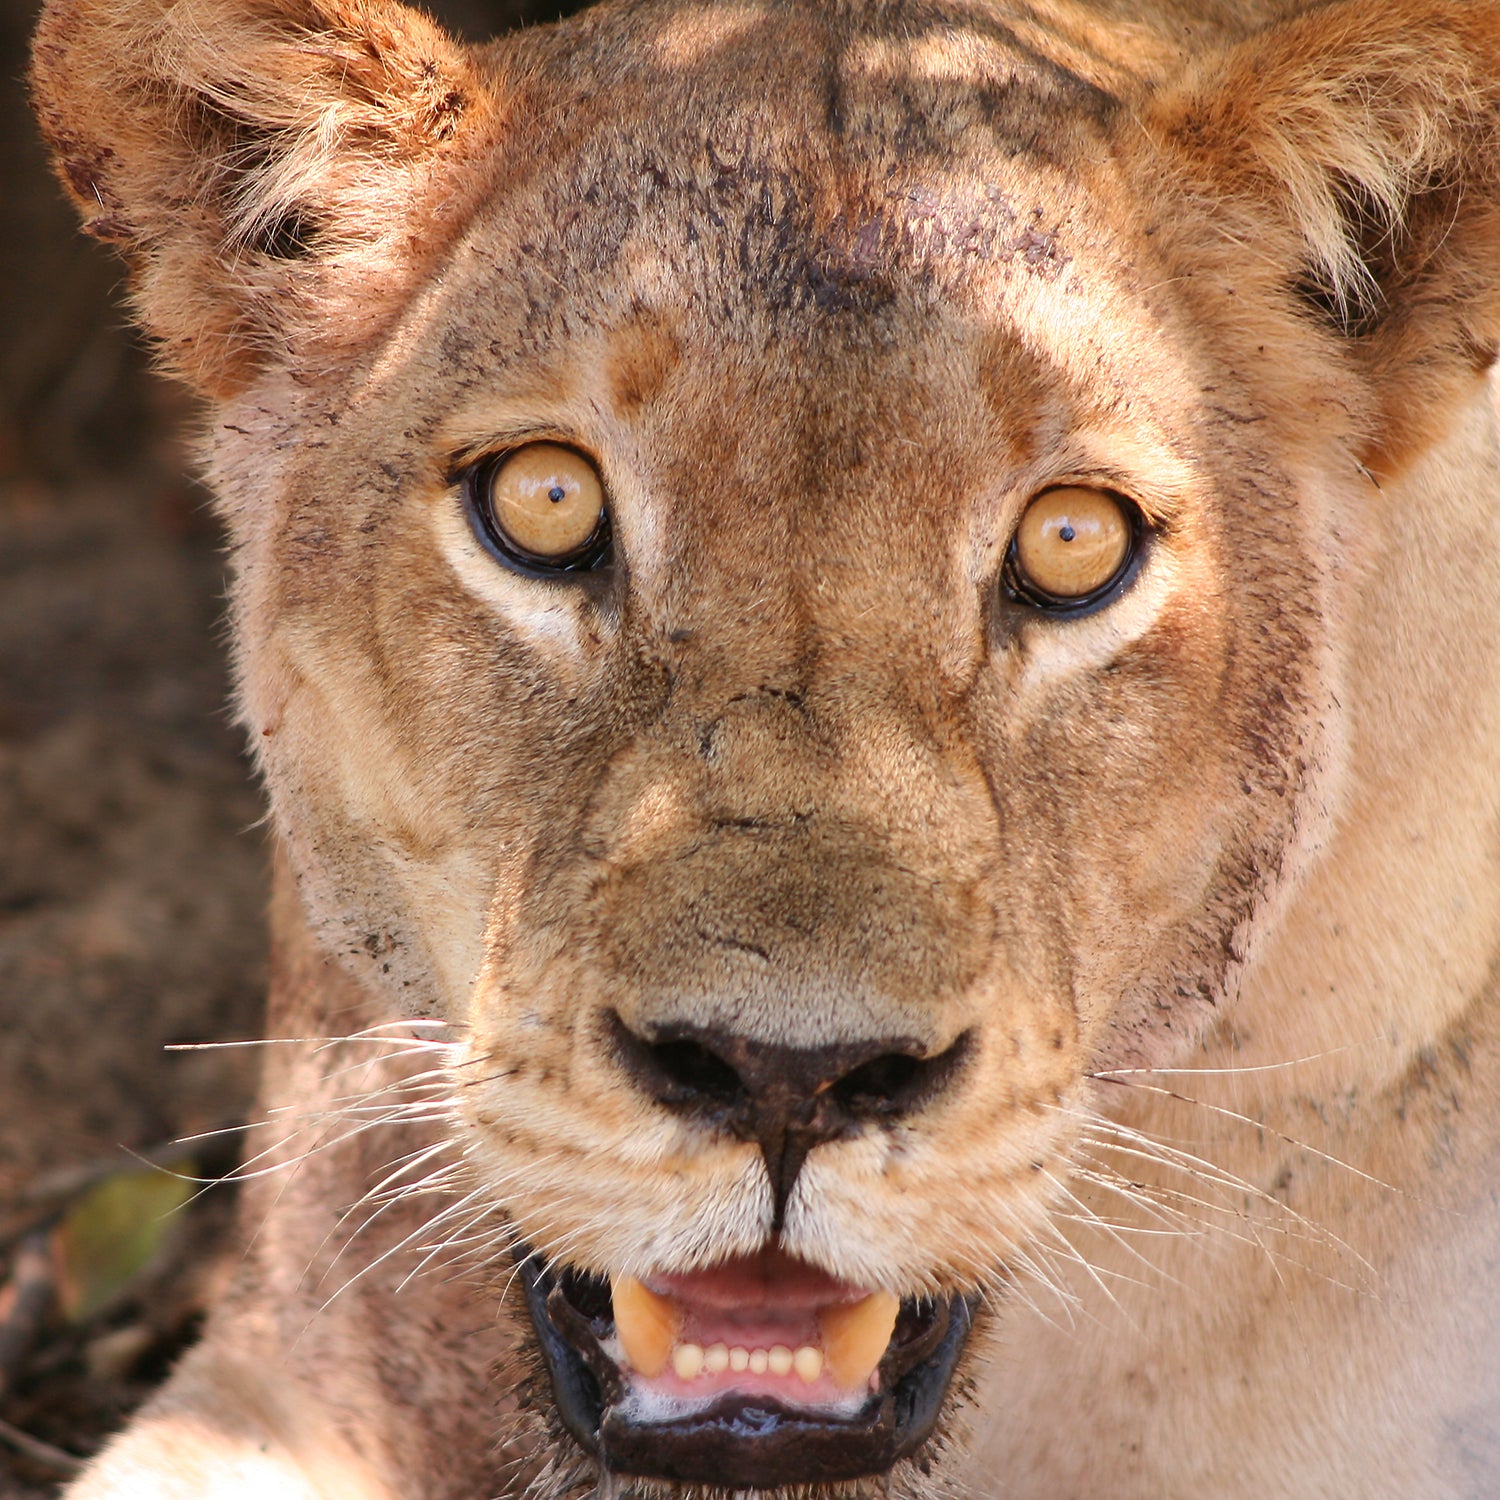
<point>39,1452</point>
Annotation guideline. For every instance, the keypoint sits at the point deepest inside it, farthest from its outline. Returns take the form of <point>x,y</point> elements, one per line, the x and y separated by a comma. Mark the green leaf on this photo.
<point>112,1234</point>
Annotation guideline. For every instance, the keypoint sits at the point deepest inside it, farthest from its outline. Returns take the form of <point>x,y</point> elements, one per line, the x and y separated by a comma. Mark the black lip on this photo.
<point>742,1442</point>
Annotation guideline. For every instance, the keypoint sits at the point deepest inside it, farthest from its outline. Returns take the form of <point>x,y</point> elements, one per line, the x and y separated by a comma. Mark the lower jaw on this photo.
<point>740,1441</point>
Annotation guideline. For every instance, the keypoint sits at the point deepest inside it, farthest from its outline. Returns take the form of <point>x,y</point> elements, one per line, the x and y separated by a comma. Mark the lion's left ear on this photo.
<point>1355,152</point>
<point>277,173</point>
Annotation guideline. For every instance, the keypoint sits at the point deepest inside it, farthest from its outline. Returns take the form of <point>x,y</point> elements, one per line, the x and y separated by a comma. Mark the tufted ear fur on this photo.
<point>1356,148</point>
<point>276,171</point>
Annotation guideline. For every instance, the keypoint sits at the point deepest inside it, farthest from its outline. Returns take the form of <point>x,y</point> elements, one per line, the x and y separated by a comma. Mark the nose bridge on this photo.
<point>765,757</point>
<point>786,860</point>
<point>828,733</point>
<point>783,706</point>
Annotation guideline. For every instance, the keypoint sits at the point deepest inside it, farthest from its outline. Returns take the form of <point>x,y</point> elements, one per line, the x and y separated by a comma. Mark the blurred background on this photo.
<point>132,875</point>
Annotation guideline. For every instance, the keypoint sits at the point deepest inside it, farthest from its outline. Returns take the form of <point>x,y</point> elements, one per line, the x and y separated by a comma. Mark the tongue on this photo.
<point>768,1314</point>
<point>771,1279</point>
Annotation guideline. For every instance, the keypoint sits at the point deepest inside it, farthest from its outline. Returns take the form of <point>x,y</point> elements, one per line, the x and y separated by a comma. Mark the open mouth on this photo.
<point>757,1372</point>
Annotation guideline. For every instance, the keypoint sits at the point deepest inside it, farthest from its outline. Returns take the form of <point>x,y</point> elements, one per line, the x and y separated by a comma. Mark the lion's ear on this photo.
<point>273,169</point>
<point>1354,152</point>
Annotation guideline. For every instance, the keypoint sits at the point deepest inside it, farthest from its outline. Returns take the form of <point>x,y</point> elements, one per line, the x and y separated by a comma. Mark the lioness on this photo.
<point>874,633</point>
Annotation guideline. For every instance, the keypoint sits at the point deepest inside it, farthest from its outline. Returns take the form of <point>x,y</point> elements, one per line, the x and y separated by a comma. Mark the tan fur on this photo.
<point>1212,874</point>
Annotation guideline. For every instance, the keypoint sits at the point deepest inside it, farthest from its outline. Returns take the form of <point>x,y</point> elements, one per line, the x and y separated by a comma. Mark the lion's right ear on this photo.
<point>274,170</point>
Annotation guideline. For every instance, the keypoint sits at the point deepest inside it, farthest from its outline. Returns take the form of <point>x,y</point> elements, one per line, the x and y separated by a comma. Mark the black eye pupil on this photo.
<point>557,494</point>
<point>1066,533</point>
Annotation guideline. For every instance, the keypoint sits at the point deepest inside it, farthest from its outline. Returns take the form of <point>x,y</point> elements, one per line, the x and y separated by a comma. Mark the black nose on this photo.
<point>785,1099</point>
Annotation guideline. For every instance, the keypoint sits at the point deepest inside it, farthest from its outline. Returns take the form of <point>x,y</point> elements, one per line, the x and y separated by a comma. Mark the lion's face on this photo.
<point>792,863</point>
<point>807,628</point>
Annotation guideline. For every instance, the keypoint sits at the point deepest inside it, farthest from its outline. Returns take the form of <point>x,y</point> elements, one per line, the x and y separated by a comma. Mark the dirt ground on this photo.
<point>132,870</point>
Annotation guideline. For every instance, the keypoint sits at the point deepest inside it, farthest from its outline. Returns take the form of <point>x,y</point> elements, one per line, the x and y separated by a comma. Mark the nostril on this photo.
<point>896,1083</point>
<point>788,1100</point>
<point>691,1069</point>
<point>676,1070</point>
<point>875,1087</point>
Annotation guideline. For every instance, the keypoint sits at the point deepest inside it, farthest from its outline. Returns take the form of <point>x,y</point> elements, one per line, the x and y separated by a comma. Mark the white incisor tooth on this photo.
<point>716,1358</point>
<point>855,1336</point>
<point>646,1323</point>
<point>687,1361</point>
<point>808,1363</point>
<point>759,1359</point>
<point>739,1359</point>
<point>779,1360</point>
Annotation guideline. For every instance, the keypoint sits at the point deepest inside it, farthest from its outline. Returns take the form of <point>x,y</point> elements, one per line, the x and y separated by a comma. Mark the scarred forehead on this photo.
<point>820,160</point>
<point>783,181</point>
<point>757,256</point>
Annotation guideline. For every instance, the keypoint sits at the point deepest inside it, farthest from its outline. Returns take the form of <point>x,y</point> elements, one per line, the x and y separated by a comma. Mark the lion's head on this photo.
<point>791,565</point>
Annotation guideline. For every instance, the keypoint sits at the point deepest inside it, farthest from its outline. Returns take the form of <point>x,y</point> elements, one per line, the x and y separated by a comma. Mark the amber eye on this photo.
<point>541,506</point>
<point>1073,544</point>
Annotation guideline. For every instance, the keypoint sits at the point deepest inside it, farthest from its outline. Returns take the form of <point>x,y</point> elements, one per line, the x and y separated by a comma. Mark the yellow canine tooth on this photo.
<point>647,1325</point>
<point>856,1335</point>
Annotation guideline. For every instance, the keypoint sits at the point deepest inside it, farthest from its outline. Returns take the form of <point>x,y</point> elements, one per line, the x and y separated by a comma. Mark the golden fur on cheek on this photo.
<point>1135,949</point>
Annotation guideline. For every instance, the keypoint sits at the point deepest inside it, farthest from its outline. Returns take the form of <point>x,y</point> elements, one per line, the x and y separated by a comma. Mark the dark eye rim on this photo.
<point>590,556</point>
<point>1020,590</point>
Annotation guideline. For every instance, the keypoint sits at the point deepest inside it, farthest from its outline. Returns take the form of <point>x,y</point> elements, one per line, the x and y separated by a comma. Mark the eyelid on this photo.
<point>493,449</point>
